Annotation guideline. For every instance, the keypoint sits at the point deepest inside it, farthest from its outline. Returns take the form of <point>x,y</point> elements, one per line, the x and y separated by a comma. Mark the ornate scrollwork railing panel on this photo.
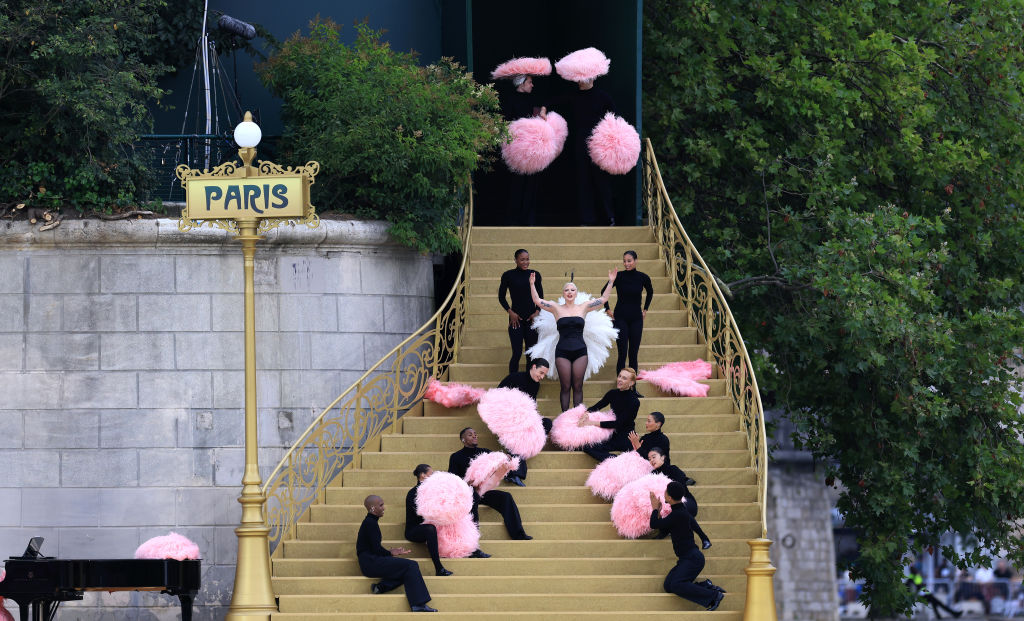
<point>708,312</point>
<point>367,409</point>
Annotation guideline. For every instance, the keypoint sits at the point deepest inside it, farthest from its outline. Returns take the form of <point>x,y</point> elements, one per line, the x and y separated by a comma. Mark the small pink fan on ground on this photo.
<point>487,469</point>
<point>680,378</point>
<point>567,434</point>
<point>631,510</point>
<point>611,475</point>
<point>583,65</point>
<point>443,498</point>
<point>614,145</point>
<point>458,540</point>
<point>533,146</point>
<point>452,395</point>
<point>171,545</point>
<point>512,416</point>
<point>522,66</point>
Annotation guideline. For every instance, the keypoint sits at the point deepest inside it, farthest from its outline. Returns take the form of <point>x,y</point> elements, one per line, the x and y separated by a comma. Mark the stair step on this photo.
<point>486,302</point>
<point>498,320</point>
<point>593,388</point>
<point>669,406</point>
<point>498,338</point>
<point>554,459</point>
<point>695,441</point>
<point>542,476</point>
<point>719,615</point>
<point>591,283</point>
<point>562,236</point>
<point>558,264</point>
<point>647,252</point>
<point>451,425</point>
<point>539,494</point>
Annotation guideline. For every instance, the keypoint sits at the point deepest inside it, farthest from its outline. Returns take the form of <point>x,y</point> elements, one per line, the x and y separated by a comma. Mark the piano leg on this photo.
<point>186,606</point>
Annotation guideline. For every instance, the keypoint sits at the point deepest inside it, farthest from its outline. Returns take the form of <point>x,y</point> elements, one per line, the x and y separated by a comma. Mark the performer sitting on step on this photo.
<point>680,579</point>
<point>521,312</point>
<point>415,530</point>
<point>572,358</point>
<point>653,437</point>
<point>659,459</point>
<point>625,404</point>
<point>527,382</point>
<point>377,562</point>
<point>499,500</point>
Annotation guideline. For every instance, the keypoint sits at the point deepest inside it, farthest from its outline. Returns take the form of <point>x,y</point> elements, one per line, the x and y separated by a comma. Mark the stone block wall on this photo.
<point>121,362</point>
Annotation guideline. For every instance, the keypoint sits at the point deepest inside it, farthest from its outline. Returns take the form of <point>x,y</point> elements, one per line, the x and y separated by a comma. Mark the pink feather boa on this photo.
<point>611,475</point>
<point>171,545</point>
<point>631,510</point>
<point>583,65</point>
<point>512,416</point>
<point>452,395</point>
<point>567,434</point>
<point>679,378</point>
<point>614,145</point>
<point>487,469</point>
<point>522,66</point>
<point>443,498</point>
<point>458,540</point>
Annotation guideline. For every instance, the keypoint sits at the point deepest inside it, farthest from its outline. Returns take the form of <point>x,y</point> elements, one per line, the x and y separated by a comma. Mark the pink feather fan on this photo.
<point>631,510</point>
<point>487,469</point>
<point>583,65</point>
<point>533,146</point>
<point>611,475</point>
<point>171,545</point>
<point>560,127</point>
<point>443,498</point>
<point>614,145</point>
<point>522,66</point>
<point>4,615</point>
<point>458,540</point>
<point>452,395</point>
<point>568,435</point>
<point>680,378</point>
<point>512,416</point>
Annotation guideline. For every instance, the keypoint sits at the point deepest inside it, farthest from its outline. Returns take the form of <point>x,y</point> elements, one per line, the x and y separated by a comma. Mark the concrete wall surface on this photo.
<point>121,362</point>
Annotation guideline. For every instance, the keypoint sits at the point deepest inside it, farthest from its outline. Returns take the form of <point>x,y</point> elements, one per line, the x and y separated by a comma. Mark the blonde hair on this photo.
<point>631,372</point>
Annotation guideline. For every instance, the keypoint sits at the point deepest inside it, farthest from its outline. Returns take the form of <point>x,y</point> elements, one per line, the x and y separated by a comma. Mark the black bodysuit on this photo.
<point>571,345</point>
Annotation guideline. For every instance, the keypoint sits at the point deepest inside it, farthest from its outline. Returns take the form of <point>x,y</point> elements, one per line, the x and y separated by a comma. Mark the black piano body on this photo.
<point>42,583</point>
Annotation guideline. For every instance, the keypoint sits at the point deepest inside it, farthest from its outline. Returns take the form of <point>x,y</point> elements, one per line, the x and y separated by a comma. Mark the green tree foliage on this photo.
<point>73,97</point>
<point>854,169</point>
<point>395,140</point>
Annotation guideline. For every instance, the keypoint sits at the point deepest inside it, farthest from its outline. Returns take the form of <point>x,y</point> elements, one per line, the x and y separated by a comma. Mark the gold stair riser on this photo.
<point>498,339</point>
<point>535,495</point>
<point>696,441</point>
<point>499,320</point>
<point>505,615</point>
<point>647,253</point>
<point>486,303</point>
<point>594,389</point>
<point>650,356</point>
<point>590,283</point>
<point>357,477</point>
<point>514,566</point>
<point>556,266</point>
<point>541,531</point>
<point>676,425</point>
<point>674,408</point>
<point>711,511</point>
<point>529,237</point>
<point>709,459</point>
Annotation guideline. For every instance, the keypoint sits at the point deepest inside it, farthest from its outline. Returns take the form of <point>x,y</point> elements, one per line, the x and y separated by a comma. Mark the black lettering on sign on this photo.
<point>252,192</point>
<point>234,193</point>
<point>280,193</point>
<point>212,193</point>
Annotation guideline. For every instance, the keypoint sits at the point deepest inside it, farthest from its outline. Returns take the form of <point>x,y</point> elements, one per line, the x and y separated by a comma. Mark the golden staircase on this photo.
<point>576,566</point>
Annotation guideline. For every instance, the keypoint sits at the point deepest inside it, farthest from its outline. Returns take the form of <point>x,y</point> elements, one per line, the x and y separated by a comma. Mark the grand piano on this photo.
<point>41,583</point>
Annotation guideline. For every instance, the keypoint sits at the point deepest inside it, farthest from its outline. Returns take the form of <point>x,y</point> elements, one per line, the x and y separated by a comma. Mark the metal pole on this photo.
<point>204,43</point>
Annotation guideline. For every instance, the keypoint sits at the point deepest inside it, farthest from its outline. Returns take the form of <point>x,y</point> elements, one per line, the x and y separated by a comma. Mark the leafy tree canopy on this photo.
<point>853,170</point>
<point>395,140</point>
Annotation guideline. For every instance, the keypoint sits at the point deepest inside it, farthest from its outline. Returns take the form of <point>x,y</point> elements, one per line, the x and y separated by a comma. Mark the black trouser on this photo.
<point>426,533</point>
<point>521,471</point>
<point>395,572</point>
<point>594,190</point>
<point>522,199</point>
<point>602,451</point>
<point>503,503</point>
<point>680,579</point>
<point>628,342</point>
<point>516,337</point>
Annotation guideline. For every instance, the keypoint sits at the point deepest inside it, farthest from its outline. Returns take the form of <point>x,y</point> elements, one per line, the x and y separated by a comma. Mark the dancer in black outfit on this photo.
<point>527,382</point>
<point>629,316</point>
<point>500,501</point>
<point>680,579</point>
<point>659,460</point>
<point>377,562</point>
<point>583,110</point>
<point>571,353</point>
<point>415,530</point>
<point>522,310</point>
<point>625,404</point>
<point>653,437</point>
<point>522,189</point>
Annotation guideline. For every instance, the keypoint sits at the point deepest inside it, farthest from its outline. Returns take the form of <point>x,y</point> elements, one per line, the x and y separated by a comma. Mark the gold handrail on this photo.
<point>708,311</point>
<point>368,407</point>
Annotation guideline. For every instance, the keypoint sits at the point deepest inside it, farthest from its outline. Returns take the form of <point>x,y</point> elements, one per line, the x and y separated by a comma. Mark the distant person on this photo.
<point>377,562</point>
<point>916,582</point>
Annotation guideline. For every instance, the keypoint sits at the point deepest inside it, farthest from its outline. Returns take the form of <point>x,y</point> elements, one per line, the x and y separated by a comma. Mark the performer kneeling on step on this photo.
<point>377,562</point>
<point>499,500</point>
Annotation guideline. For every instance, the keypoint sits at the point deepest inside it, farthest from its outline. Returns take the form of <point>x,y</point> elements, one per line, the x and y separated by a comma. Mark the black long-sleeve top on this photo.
<point>628,286</point>
<point>583,110</point>
<point>516,282</point>
<point>412,519</point>
<point>625,404</point>
<point>679,524</point>
<point>651,440</point>
<point>521,380</point>
<point>458,463</point>
<point>368,541</point>
<point>674,473</point>
<point>516,105</point>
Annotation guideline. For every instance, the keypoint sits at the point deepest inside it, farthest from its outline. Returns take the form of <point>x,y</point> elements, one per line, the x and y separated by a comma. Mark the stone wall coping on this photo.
<point>163,232</point>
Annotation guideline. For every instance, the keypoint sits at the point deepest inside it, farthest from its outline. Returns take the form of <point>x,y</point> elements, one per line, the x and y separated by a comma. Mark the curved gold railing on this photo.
<point>710,314</point>
<point>368,407</point>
